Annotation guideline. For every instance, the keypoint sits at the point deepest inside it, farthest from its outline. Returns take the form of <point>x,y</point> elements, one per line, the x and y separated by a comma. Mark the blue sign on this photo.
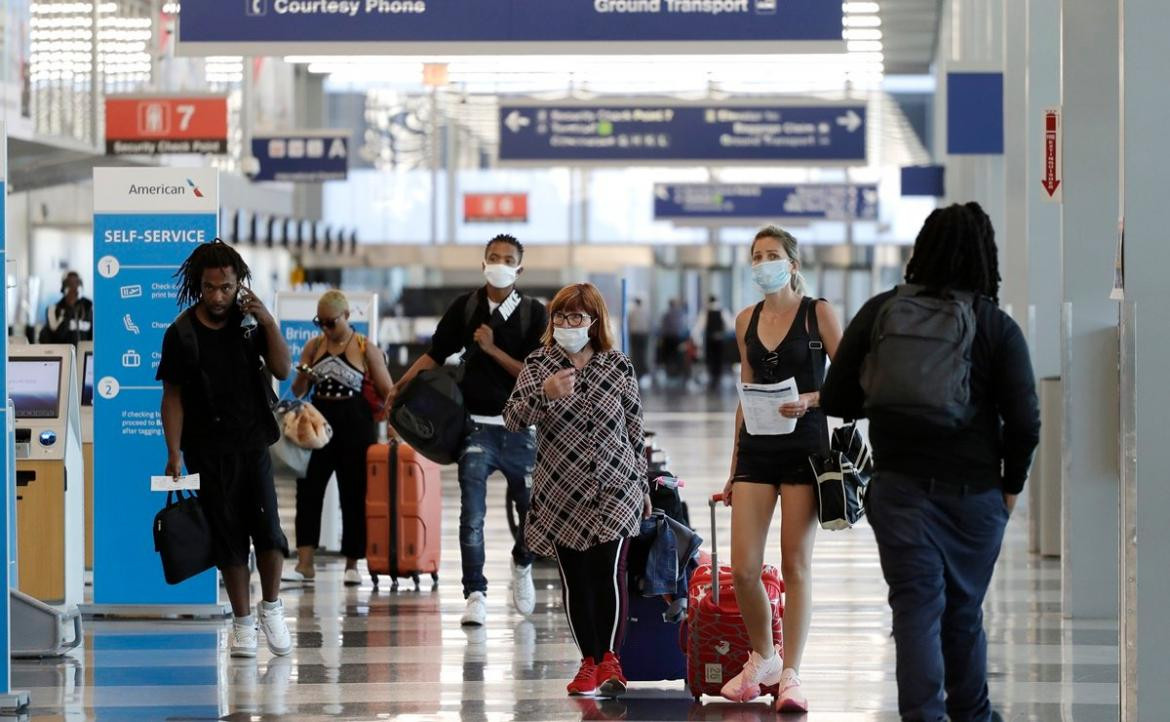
<point>275,27</point>
<point>146,223</point>
<point>302,157</point>
<point>657,133</point>
<point>718,201</point>
<point>924,180</point>
<point>7,451</point>
<point>295,312</point>
<point>974,113</point>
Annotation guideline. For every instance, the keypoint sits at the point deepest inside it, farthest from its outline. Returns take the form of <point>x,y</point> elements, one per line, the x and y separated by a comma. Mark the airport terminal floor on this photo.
<point>368,653</point>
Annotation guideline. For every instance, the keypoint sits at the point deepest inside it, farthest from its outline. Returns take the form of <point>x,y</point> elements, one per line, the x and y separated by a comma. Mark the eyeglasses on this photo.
<point>572,320</point>
<point>329,323</point>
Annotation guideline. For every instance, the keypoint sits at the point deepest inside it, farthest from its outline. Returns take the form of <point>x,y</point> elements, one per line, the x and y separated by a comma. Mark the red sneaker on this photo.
<point>610,678</point>
<point>585,683</point>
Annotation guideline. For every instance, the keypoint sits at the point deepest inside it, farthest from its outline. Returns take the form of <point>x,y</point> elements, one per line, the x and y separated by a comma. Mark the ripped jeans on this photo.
<point>490,449</point>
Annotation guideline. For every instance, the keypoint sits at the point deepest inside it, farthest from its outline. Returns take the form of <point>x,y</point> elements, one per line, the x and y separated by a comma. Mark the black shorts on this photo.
<point>774,469</point>
<point>239,501</point>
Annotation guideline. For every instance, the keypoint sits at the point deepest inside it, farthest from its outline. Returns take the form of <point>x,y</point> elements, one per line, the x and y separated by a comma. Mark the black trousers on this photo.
<point>594,589</point>
<point>345,455</point>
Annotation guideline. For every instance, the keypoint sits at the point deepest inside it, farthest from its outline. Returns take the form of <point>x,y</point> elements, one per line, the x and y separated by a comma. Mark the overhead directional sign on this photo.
<point>460,27</point>
<point>302,155</point>
<point>577,134</point>
<point>162,124</point>
<point>738,201</point>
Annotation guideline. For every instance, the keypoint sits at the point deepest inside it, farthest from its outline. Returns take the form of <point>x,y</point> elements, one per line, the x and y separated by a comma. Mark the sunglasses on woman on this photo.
<point>329,323</point>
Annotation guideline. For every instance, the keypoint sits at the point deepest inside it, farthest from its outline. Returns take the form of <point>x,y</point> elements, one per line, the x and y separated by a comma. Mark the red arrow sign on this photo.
<point>1051,148</point>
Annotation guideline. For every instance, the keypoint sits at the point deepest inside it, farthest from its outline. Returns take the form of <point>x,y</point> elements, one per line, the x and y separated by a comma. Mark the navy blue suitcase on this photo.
<point>651,651</point>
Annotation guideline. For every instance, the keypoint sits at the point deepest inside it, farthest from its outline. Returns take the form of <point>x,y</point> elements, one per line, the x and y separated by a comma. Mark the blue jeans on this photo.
<point>938,550</point>
<point>490,449</point>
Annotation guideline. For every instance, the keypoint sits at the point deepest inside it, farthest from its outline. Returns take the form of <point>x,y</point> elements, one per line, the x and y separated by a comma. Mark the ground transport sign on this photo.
<point>275,27</point>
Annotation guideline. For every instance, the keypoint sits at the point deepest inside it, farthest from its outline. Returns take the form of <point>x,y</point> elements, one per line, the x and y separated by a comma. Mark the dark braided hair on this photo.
<point>216,254</point>
<point>956,249</point>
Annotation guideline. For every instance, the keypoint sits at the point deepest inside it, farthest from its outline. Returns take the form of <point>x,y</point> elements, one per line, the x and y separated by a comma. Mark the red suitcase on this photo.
<point>403,513</point>
<point>717,640</point>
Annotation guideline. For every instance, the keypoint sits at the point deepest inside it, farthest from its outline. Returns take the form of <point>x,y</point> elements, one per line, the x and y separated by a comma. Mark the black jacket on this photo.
<point>487,385</point>
<point>996,448</point>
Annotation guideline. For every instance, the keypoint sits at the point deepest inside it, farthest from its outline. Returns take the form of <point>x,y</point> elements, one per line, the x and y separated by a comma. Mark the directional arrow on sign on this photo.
<point>851,121</point>
<point>516,121</point>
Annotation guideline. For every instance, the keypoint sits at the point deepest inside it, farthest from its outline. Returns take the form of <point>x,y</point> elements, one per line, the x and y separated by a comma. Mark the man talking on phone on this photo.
<point>217,421</point>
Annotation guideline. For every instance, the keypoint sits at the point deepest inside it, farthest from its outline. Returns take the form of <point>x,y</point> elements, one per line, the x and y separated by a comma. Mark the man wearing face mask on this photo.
<point>497,328</point>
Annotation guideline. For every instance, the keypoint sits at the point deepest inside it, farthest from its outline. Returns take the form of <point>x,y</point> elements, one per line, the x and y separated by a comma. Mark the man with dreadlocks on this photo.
<point>946,380</point>
<point>216,420</point>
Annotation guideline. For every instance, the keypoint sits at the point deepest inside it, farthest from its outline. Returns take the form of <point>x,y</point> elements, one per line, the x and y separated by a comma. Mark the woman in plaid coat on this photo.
<point>589,487</point>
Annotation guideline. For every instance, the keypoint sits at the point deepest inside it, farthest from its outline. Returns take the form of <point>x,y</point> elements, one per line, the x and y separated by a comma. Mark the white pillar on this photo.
<point>1013,235</point>
<point>1089,346</point>
<point>1043,287</point>
<point>1145,675</point>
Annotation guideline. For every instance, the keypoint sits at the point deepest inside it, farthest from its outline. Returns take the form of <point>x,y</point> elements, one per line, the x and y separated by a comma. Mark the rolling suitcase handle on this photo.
<point>716,499</point>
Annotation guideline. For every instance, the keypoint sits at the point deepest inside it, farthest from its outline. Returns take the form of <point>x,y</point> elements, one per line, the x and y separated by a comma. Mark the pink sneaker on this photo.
<point>791,699</point>
<point>757,672</point>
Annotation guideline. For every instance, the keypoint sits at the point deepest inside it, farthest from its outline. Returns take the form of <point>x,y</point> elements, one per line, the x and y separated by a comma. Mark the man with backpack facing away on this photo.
<point>217,420</point>
<point>946,380</point>
<point>497,328</point>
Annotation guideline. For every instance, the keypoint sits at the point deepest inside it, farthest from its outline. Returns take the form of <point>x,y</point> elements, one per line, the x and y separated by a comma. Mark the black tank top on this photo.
<point>339,378</point>
<point>792,358</point>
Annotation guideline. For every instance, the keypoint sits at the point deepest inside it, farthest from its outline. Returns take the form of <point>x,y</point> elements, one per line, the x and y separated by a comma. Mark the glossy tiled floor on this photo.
<point>369,654</point>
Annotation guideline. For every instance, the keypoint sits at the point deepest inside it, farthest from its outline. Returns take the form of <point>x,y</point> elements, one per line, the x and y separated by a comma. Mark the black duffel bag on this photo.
<point>182,538</point>
<point>430,416</point>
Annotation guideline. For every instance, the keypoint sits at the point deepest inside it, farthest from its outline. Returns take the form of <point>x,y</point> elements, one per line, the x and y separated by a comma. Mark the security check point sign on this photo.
<point>146,222</point>
<point>461,27</point>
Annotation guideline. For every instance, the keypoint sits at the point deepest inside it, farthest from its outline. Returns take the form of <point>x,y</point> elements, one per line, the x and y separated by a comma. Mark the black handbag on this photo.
<point>182,538</point>
<point>842,474</point>
<point>842,478</point>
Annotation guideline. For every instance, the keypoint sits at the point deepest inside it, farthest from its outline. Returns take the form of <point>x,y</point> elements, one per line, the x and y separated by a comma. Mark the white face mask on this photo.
<point>500,275</point>
<point>571,339</point>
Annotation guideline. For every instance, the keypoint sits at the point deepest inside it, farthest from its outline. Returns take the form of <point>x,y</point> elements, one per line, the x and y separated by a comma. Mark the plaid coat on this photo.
<point>590,474</point>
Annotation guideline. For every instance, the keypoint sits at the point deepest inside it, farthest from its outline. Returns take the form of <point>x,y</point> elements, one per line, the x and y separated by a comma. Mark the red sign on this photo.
<point>155,124</point>
<point>495,208</point>
<point>1052,169</point>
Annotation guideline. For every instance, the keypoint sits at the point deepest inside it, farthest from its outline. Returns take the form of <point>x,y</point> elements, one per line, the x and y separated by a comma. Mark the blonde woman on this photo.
<point>335,365</point>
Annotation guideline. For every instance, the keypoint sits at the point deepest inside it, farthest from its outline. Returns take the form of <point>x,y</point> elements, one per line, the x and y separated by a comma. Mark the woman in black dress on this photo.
<point>777,342</point>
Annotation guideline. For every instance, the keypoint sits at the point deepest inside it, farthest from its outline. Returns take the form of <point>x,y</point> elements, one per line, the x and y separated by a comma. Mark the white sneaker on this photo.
<point>275,629</point>
<point>476,613</point>
<point>757,672</point>
<point>523,590</point>
<point>791,697</point>
<point>242,641</point>
<point>353,578</point>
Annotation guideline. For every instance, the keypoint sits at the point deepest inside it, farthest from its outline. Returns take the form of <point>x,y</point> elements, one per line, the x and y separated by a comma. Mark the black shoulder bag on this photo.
<point>843,473</point>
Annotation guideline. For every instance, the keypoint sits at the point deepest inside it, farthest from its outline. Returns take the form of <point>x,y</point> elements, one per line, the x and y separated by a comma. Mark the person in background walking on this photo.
<point>337,364</point>
<point>639,329</point>
<point>590,489</point>
<point>942,494</point>
<point>712,331</point>
<point>673,336</point>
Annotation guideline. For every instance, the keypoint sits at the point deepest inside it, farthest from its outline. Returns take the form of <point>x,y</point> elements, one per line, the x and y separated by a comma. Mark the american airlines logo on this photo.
<point>162,189</point>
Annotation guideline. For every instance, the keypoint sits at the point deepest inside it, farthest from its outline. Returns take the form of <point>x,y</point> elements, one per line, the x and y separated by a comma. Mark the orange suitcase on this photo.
<point>403,514</point>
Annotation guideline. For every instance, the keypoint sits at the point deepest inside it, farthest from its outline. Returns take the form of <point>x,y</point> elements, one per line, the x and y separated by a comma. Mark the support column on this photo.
<point>1089,342</point>
<point>1043,285</point>
<point>1013,236</point>
<point>1145,102</point>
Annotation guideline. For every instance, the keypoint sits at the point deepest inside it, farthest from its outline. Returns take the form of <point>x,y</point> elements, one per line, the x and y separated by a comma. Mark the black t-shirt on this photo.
<point>486,384</point>
<point>232,419</point>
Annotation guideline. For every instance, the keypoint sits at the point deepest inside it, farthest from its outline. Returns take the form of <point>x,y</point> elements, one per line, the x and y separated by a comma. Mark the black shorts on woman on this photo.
<point>783,459</point>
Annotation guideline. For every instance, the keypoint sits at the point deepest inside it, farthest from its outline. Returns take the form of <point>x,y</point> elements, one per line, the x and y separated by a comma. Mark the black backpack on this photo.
<point>430,414</point>
<point>919,364</point>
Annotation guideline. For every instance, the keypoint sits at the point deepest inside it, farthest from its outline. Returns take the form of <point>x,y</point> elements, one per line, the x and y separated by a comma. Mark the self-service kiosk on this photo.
<point>85,382</point>
<point>42,384</point>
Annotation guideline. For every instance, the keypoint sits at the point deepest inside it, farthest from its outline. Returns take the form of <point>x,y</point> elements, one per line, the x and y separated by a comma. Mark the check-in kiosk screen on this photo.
<point>87,380</point>
<point>34,384</point>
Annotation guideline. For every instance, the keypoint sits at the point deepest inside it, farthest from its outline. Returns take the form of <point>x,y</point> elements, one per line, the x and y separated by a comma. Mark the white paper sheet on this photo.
<point>167,483</point>
<point>761,407</point>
